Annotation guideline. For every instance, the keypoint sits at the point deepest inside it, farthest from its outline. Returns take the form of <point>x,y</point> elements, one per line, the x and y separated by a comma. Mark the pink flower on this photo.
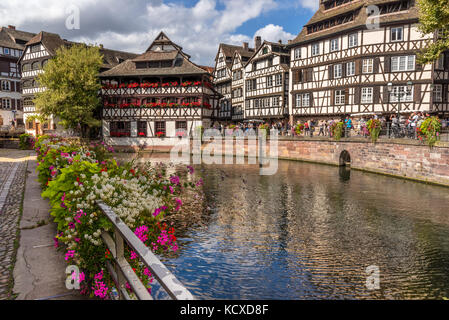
<point>175,180</point>
<point>140,233</point>
<point>56,242</point>
<point>69,255</point>
<point>179,204</point>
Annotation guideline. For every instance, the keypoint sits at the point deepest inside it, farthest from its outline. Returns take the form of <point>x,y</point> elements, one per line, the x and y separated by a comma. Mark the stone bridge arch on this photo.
<point>344,159</point>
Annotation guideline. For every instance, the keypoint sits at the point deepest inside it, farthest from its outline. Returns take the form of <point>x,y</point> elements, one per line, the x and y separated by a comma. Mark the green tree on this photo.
<point>72,85</point>
<point>434,16</point>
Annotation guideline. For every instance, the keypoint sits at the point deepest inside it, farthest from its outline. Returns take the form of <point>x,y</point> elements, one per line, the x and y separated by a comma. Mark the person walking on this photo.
<point>321,125</point>
<point>348,123</point>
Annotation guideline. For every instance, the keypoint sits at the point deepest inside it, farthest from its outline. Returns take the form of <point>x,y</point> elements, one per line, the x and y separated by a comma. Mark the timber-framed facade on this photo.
<point>266,82</point>
<point>346,56</point>
<point>229,80</point>
<point>12,45</point>
<point>38,51</point>
<point>159,94</point>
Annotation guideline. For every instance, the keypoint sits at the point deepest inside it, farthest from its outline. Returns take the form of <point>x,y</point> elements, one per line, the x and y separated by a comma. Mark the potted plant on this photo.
<point>374,127</point>
<point>337,130</point>
<point>299,129</point>
<point>160,134</point>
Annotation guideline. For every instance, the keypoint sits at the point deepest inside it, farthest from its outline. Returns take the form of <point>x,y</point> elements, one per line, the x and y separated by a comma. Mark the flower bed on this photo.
<point>75,176</point>
<point>27,141</point>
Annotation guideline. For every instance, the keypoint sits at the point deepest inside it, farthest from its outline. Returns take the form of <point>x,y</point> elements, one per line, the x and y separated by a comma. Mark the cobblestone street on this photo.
<point>13,164</point>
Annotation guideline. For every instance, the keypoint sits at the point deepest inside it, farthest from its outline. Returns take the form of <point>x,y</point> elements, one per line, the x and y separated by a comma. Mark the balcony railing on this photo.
<point>158,88</point>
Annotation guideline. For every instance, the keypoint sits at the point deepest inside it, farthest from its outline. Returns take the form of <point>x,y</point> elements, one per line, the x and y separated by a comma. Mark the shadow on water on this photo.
<point>310,232</point>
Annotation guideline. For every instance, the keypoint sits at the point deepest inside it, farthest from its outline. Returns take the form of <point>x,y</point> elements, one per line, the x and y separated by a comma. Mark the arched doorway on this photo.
<point>345,159</point>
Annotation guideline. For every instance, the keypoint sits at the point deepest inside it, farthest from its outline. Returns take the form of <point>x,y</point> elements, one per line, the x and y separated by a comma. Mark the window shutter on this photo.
<point>332,97</point>
<point>343,70</point>
<point>347,96</point>
<point>387,64</point>
<point>295,76</point>
<point>376,94</point>
<point>331,72</point>
<point>417,93</point>
<point>376,63</point>
<point>310,74</point>
<point>358,67</point>
<point>13,104</point>
<point>311,99</point>
<point>386,95</point>
<point>357,95</point>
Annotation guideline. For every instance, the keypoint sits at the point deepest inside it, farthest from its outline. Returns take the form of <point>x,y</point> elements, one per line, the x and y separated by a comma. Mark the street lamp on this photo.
<point>399,94</point>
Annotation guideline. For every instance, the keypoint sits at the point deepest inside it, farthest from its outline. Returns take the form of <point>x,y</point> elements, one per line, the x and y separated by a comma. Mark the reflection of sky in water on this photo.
<point>309,232</point>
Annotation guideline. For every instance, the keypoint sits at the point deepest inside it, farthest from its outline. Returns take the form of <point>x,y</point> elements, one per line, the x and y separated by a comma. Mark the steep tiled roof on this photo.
<point>13,38</point>
<point>229,51</point>
<point>157,56</point>
<point>361,17</point>
<point>53,42</point>
<point>128,68</point>
<point>183,66</point>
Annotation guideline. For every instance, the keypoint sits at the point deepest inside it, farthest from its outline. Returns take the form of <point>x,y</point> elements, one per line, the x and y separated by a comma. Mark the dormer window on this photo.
<point>265,50</point>
<point>166,64</point>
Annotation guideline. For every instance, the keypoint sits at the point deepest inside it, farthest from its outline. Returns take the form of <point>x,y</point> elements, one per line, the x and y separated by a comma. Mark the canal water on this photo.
<point>311,231</point>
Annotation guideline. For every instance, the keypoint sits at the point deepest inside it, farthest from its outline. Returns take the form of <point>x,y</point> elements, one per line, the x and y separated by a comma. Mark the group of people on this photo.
<point>392,126</point>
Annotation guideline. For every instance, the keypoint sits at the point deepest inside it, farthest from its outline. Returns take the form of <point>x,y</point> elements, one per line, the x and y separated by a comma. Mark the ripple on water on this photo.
<point>304,233</point>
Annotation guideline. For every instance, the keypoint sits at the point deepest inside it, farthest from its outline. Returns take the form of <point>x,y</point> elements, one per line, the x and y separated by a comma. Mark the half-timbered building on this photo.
<point>267,82</point>
<point>241,58</point>
<point>229,80</point>
<point>359,57</point>
<point>159,94</point>
<point>38,51</point>
<point>12,44</point>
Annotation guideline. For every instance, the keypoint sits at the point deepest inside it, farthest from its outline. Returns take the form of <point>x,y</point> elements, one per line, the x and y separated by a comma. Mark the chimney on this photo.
<point>12,27</point>
<point>245,45</point>
<point>258,42</point>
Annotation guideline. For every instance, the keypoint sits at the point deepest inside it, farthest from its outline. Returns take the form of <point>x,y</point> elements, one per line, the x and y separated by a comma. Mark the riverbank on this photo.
<point>399,158</point>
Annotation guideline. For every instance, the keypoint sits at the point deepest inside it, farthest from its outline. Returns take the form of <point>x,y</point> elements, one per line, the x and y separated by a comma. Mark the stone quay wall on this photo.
<point>399,158</point>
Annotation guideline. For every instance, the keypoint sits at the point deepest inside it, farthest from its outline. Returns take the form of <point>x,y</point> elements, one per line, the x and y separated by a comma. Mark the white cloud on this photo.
<point>309,4</point>
<point>274,34</point>
<point>132,27</point>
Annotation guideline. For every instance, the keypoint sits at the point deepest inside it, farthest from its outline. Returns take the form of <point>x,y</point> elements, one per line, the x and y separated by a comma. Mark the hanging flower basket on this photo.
<point>374,127</point>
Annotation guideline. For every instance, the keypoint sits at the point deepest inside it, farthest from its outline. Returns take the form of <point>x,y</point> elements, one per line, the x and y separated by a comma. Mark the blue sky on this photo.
<point>198,26</point>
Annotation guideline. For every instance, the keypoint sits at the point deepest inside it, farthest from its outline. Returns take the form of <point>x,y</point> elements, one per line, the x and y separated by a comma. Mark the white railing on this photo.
<point>123,273</point>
